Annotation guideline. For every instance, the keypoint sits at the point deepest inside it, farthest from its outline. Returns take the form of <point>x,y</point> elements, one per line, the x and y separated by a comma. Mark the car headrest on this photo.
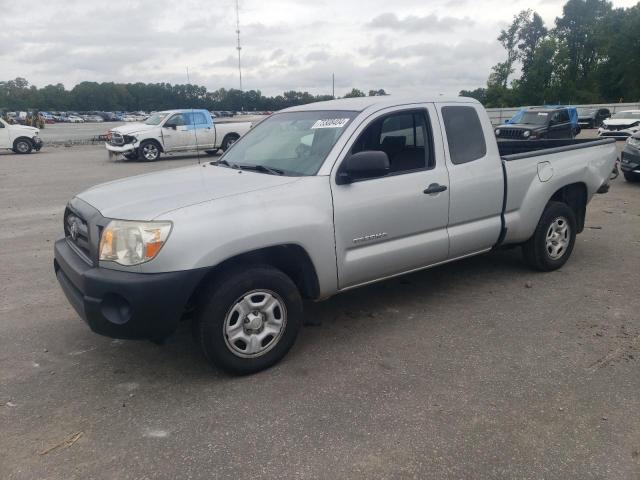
<point>393,145</point>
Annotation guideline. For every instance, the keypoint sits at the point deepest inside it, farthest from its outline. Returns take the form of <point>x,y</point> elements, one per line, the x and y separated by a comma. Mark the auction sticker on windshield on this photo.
<point>330,123</point>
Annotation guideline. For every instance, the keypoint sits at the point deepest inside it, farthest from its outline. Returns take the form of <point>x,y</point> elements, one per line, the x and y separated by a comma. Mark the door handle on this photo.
<point>435,188</point>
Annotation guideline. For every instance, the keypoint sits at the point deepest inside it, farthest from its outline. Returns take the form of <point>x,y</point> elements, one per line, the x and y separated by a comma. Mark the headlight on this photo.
<point>635,142</point>
<point>132,243</point>
<point>497,131</point>
<point>526,134</point>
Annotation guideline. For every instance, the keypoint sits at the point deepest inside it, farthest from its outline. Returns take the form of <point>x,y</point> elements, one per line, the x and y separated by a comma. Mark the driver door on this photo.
<point>397,222</point>
<point>176,135</point>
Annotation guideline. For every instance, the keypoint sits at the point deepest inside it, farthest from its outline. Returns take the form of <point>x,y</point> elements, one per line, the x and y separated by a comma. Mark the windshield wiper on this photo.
<point>224,163</point>
<point>261,168</point>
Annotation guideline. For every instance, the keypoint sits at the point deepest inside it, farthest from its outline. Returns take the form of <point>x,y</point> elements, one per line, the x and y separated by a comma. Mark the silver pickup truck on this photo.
<point>313,201</point>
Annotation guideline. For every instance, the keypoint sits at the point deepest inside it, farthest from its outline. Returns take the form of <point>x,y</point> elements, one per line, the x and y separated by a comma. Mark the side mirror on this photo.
<point>366,164</point>
<point>171,125</point>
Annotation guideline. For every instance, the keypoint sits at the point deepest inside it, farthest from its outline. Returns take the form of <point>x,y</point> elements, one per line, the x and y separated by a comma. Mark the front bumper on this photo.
<point>37,143</point>
<point>123,304</point>
<point>630,160</point>
<point>127,148</point>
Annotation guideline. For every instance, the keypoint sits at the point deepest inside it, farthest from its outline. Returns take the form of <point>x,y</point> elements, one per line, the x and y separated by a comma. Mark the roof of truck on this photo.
<point>362,103</point>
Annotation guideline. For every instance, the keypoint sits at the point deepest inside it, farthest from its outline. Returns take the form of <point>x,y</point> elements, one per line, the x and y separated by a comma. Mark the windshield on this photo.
<point>535,118</point>
<point>294,143</point>
<point>156,118</point>
<point>627,115</point>
<point>586,111</point>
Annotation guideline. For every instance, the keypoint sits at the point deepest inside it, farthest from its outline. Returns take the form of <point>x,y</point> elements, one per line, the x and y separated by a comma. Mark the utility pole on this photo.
<point>333,85</point>
<point>238,36</point>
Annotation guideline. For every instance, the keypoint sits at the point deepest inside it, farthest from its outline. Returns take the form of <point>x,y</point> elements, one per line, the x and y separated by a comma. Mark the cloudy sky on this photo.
<point>403,46</point>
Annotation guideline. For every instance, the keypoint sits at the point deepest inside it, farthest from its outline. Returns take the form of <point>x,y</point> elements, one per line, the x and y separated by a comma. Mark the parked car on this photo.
<point>19,138</point>
<point>316,200</point>
<point>621,124</point>
<point>74,119</point>
<point>630,158</point>
<point>592,117</point>
<point>537,123</point>
<point>174,131</point>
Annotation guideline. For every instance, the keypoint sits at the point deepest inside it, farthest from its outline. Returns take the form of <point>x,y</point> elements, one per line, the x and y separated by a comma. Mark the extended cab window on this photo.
<point>464,134</point>
<point>195,118</point>
<point>402,137</point>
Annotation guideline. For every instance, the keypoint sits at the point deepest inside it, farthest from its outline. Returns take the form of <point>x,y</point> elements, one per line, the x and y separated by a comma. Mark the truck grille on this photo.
<point>511,132</point>
<point>76,231</point>
<point>615,128</point>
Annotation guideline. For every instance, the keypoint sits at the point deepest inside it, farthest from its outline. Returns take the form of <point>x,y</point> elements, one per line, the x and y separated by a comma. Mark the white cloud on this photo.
<point>440,46</point>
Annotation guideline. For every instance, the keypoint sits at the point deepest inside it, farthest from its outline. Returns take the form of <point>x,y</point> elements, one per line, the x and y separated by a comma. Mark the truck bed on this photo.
<point>517,149</point>
<point>534,170</point>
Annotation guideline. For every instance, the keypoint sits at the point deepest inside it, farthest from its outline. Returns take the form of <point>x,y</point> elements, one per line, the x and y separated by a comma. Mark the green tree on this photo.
<point>355,93</point>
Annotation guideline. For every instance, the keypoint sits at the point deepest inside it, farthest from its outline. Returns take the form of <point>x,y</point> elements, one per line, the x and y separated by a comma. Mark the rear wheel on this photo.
<point>631,177</point>
<point>248,319</point>
<point>149,150</point>
<point>22,146</point>
<point>229,140</point>
<point>552,242</point>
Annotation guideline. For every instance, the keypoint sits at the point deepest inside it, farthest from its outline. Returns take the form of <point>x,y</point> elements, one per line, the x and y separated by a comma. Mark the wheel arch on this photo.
<point>574,195</point>
<point>292,259</point>
<point>22,137</point>
<point>154,140</point>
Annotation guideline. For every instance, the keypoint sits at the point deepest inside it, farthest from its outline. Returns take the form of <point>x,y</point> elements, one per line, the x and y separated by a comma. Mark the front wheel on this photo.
<point>552,242</point>
<point>22,146</point>
<point>149,151</point>
<point>248,319</point>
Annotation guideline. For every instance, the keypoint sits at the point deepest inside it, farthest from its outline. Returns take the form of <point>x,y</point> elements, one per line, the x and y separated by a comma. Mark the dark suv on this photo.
<point>538,123</point>
<point>592,117</point>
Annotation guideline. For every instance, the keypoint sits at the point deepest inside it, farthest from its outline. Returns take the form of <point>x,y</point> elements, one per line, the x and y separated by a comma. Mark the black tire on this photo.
<point>592,124</point>
<point>22,146</point>
<point>229,140</point>
<point>131,156</point>
<point>211,152</point>
<point>215,314</point>
<point>149,150</point>
<point>631,177</point>
<point>536,251</point>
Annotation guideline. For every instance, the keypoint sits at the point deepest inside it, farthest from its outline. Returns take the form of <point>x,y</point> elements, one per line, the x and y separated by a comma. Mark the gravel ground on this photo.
<point>478,369</point>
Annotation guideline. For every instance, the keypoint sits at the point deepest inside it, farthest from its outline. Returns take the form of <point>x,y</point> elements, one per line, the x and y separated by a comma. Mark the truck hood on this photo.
<point>621,121</point>
<point>145,197</point>
<point>523,126</point>
<point>134,127</point>
<point>24,130</point>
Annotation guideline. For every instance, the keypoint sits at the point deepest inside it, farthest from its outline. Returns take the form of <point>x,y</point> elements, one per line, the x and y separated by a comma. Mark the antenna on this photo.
<point>238,36</point>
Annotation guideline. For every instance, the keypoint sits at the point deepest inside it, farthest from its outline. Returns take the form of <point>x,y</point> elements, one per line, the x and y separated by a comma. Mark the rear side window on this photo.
<point>195,118</point>
<point>464,134</point>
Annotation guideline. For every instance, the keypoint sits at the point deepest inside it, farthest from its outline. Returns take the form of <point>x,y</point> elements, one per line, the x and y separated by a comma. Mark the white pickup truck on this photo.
<point>313,201</point>
<point>19,138</point>
<point>174,131</point>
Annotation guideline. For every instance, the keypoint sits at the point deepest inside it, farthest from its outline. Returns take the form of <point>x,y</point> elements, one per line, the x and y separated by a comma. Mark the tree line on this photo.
<point>590,55</point>
<point>18,94</point>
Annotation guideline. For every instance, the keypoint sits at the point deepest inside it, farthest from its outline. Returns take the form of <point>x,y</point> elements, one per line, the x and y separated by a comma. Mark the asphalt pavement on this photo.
<point>473,370</point>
